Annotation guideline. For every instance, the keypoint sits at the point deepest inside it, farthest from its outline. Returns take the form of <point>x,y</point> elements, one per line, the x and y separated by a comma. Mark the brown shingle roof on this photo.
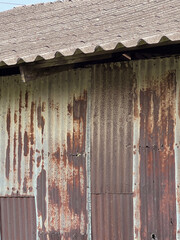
<point>44,29</point>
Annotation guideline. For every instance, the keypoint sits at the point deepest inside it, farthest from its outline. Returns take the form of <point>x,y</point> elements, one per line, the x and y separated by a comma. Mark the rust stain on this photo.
<point>26,144</point>
<point>42,155</point>
<point>157,166</point>
<point>41,197</point>
<point>56,189</point>
<point>15,118</point>
<point>54,194</point>
<point>38,161</point>
<point>26,99</point>
<point>31,163</point>
<point>64,182</point>
<point>75,188</point>
<point>79,123</point>
<point>8,120</point>
<point>53,235</point>
<point>32,123</point>
<point>73,235</point>
<point>43,106</point>
<point>51,104</point>
<point>67,187</point>
<point>39,116</point>
<point>25,185</point>
<point>135,97</point>
<point>42,236</point>
<point>79,107</point>
<point>56,155</point>
<point>69,143</point>
<point>14,158</point>
<point>40,119</point>
<point>42,124</point>
<point>70,109</point>
<point>19,140</point>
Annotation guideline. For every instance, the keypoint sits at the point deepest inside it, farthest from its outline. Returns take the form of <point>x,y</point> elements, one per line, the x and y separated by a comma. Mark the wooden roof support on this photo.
<point>27,73</point>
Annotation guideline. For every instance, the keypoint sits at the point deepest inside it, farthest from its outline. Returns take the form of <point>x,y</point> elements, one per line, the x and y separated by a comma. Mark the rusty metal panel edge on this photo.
<point>88,156</point>
<point>136,162</point>
<point>177,149</point>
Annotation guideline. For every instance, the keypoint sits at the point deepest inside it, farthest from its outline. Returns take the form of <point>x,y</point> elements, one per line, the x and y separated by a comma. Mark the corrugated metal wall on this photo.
<point>131,112</point>
<point>135,150</point>
<point>43,149</point>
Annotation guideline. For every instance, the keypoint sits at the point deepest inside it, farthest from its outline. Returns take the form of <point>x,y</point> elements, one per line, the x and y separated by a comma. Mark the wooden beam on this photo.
<point>28,73</point>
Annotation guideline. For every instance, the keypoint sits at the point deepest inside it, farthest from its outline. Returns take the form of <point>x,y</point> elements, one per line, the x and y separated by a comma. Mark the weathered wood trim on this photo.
<point>28,73</point>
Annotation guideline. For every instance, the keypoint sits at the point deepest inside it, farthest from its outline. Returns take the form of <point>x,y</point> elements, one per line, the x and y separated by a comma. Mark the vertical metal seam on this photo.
<point>136,163</point>
<point>46,158</point>
<point>177,139</point>
<point>0,222</point>
<point>36,173</point>
<point>88,147</point>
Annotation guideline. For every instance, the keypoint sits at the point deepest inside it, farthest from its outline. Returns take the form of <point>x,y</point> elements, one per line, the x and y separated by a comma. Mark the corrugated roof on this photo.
<point>65,27</point>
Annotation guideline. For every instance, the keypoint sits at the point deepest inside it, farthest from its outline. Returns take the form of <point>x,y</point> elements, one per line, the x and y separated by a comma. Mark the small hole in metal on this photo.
<point>153,236</point>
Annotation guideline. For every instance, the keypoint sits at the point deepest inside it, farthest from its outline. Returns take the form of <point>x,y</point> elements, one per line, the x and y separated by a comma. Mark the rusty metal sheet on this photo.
<point>177,146</point>
<point>112,216</point>
<point>112,149</point>
<point>43,149</point>
<point>112,135</point>
<point>157,117</point>
<point>17,218</point>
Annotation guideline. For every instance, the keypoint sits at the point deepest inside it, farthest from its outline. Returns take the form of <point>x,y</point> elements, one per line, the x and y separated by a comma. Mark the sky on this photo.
<point>9,4</point>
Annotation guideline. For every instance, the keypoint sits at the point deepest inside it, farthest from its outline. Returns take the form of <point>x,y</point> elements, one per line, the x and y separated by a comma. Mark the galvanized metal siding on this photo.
<point>135,169</point>
<point>156,168</point>
<point>112,151</point>
<point>43,144</point>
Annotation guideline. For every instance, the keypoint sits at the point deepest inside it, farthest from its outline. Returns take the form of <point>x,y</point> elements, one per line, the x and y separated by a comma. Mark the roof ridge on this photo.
<point>37,5</point>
